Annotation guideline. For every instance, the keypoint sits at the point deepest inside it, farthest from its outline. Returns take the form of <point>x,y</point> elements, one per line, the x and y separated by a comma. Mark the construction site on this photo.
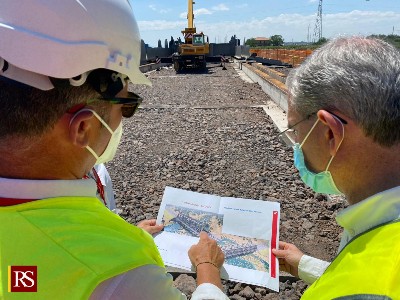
<point>193,50</point>
<point>211,126</point>
<point>179,139</point>
<point>215,131</point>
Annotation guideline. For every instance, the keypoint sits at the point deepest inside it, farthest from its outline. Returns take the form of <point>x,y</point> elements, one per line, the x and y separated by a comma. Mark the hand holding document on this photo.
<point>245,229</point>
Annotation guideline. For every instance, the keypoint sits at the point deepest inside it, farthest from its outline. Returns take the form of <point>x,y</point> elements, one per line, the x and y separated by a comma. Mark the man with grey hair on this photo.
<point>344,110</point>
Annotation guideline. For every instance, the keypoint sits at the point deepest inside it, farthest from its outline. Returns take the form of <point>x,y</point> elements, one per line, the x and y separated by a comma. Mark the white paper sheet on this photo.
<point>245,229</point>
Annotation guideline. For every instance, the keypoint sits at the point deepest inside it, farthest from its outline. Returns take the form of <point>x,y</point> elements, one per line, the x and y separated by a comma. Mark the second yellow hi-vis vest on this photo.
<point>367,268</point>
<point>75,243</point>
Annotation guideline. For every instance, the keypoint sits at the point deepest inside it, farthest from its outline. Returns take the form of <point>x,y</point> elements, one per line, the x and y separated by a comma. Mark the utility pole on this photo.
<point>318,23</point>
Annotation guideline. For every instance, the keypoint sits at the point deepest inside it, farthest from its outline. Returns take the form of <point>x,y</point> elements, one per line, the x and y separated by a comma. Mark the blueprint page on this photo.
<point>245,229</point>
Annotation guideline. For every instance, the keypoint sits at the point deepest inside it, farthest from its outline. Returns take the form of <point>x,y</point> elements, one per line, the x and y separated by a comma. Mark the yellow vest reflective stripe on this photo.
<point>75,242</point>
<point>368,265</point>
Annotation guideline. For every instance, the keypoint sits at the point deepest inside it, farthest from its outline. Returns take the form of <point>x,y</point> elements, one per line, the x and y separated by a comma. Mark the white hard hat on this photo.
<point>67,38</point>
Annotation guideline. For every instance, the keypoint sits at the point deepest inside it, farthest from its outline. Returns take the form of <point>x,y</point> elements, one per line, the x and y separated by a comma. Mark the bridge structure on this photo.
<point>193,226</point>
<point>237,251</point>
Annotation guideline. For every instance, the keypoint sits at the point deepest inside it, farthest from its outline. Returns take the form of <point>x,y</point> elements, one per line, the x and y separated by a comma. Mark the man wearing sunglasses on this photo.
<point>344,111</point>
<point>66,74</point>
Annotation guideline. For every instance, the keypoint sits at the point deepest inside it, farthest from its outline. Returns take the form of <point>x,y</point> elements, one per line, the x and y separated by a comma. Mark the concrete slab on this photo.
<point>279,119</point>
<point>242,74</point>
<point>276,109</point>
<point>277,115</point>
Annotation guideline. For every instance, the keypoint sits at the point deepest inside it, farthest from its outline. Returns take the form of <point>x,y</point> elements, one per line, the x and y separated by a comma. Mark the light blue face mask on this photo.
<point>320,182</point>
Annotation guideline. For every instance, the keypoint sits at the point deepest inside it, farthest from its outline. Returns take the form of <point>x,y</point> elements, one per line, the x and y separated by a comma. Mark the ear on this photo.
<point>80,128</point>
<point>335,132</point>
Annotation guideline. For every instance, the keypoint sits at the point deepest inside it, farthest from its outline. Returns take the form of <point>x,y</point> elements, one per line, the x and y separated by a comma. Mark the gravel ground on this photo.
<point>198,132</point>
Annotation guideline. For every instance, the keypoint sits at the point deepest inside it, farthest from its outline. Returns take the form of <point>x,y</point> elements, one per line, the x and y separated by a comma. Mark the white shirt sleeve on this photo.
<point>311,268</point>
<point>150,282</point>
<point>208,291</point>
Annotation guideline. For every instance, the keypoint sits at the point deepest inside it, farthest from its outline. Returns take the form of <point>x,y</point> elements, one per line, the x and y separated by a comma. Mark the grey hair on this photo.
<point>357,76</point>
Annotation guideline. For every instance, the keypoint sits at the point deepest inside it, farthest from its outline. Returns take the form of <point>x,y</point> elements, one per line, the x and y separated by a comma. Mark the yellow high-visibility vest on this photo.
<point>75,242</point>
<point>367,268</point>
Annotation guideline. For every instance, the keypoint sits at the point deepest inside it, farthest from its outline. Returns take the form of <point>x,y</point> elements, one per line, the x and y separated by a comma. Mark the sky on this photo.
<point>294,20</point>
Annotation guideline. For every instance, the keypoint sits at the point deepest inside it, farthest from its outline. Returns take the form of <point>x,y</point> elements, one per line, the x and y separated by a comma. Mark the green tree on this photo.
<point>251,42</point>
<point>321,41</point>
<point>391,38</point>
<point>276,40</point>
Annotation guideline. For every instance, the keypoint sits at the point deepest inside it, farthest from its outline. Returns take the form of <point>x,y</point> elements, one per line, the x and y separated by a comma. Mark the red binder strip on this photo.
<point>273,242</point>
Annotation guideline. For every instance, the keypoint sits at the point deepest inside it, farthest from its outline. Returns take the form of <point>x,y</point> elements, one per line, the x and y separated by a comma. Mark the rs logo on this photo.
<point>22,279</point>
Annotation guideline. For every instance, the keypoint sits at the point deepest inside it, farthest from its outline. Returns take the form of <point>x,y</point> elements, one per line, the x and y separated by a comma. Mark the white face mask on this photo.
<point>113,143</point>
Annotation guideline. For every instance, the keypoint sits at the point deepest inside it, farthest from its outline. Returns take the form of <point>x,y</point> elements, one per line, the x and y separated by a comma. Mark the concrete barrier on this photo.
<point>150,67</point>
<point>271,72</point>
<point>273,87</point>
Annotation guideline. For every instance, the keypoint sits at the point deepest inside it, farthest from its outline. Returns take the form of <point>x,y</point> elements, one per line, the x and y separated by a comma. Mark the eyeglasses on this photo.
<point>291,131</point>
<point>130,104</point>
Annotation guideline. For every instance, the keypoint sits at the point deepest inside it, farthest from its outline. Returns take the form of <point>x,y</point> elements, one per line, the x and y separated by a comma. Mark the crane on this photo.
<point>191,54</point>
<point>190,30</point>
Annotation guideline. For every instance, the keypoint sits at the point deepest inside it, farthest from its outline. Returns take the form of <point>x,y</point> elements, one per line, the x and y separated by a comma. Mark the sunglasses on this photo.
<point>130,104</point>
<point>108,84</point>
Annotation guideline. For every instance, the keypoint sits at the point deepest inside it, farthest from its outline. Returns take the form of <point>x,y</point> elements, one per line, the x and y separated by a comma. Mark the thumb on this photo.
<point>279,253</point>
<point>154,229</point>
<point>152,222</point>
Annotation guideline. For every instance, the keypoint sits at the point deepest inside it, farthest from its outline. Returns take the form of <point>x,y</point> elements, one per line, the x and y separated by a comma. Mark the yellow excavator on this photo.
<point>191,54</point>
